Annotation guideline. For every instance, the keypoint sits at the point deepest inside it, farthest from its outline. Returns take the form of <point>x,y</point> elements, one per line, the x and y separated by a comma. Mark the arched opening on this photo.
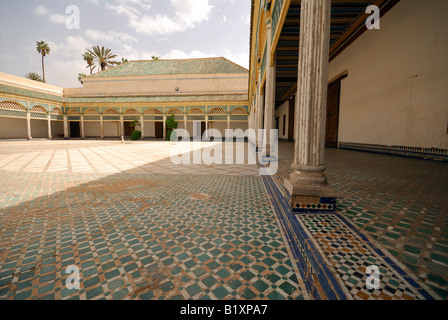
<point>153,123</point>
<point>92,123</point>
<point>12,120</point>
<point>39,122</point>
<point>129,118</point>
<point>111,119</point>
<point>217,119</point>
<point>57,123</point>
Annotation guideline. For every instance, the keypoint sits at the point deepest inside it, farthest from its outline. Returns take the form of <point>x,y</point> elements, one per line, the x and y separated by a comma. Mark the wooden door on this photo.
<point>159,130</point>
<point>203,126</point>
<point>332,128</point>
<point>128,129</point>
<point>75,131</point>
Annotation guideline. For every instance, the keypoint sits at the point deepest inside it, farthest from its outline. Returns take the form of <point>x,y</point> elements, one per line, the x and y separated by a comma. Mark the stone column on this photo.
<point>206,126</point>
<point>121,126</point>
<point>142,126</point>
<point>65,127</point>
<point>28,124</point>
<point>260,116</point>
<point>185,122</point>
<point>102,126</point>
<point>164,127</point>
<point>269,108</point>
<point>83,134</point>
<point>308,183</point>
<point>49,126</point>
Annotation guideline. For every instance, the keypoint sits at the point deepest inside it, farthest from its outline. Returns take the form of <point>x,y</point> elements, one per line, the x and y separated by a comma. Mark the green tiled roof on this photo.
<point>170,67</point>
<point>177,98</point>
<point>30,93</point>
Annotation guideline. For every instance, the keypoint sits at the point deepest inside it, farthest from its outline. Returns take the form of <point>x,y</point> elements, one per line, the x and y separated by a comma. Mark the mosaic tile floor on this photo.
<point>137,236</point>
<point>109,157</point>
<point>140,228</point>
<point>384,204</point>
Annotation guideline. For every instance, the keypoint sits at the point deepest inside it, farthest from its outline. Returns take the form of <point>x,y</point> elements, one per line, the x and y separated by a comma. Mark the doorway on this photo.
<point>128,130</point>
<point>159,130</point>
<point>333,105</point>
<point>75,131</point>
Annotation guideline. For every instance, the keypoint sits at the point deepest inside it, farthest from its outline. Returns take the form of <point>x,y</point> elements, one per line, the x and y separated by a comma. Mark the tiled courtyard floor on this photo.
<point>400,204</point>
<point>139,227</point>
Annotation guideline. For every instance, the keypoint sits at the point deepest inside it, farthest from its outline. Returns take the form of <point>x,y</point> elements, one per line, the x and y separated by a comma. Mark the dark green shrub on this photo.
<point>171,124</point>
<point>136,135</point>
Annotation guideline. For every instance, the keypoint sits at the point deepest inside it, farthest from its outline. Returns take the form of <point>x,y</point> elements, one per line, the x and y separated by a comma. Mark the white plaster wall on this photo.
<point>112,129</point>
<point>164,84</point>
<point>12,128</point>
<point>220,126</point>
<point>149,128</point>
<point>279,113</point>
<point>239,125</point>
<point>396,92</point>
<point>39,128</point>
<point>92,129</point>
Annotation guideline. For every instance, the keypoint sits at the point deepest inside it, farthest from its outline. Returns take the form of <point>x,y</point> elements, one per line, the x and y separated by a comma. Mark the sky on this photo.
<point>132,29</point>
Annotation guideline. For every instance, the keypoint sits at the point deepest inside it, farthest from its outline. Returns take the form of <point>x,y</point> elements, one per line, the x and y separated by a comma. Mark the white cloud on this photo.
<point>72,47</point>
<point>241,59</point>
<point>68,78</point>
<point>58,18</point>
<point>65,61</point>
<point>110,36</point>
<point>179,54</point>
<point>55,17</point>
<point>94,2</point>
<point>187,14</point>
<point>131,53</point>
<point>41,11</point>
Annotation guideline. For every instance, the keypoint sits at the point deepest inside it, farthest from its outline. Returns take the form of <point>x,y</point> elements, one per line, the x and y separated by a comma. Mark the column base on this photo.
<point>311,199</point>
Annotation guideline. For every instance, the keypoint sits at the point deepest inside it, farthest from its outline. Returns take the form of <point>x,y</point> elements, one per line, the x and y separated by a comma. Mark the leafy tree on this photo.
<point>34,76</point>
<point>90,59</point>
<point>81,76</point>
<point>103,57</point>
<point>154,58</point>
<point>44,49</point>
<point>171,124</point>
<point>135,123</point>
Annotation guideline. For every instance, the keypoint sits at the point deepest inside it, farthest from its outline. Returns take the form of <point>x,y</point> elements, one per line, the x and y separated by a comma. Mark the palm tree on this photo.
<point>90,59</point>
<point>81,76</point>
<point>103,57</point>
<point>34,76</point>
<point>43,48</point>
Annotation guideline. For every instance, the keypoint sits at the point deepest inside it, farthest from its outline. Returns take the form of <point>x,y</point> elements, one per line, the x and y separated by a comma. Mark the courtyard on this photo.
<point>139,227</point>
